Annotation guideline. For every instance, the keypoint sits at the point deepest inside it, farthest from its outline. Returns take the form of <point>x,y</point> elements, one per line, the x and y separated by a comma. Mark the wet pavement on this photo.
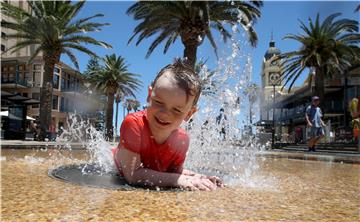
<point>282,189</point>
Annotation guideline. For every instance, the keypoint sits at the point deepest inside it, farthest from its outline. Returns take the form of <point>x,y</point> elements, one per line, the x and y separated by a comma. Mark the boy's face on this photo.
<point>168,106</point>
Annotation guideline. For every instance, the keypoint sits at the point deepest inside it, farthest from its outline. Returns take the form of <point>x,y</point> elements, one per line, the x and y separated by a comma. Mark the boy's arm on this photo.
<point>136,174</point>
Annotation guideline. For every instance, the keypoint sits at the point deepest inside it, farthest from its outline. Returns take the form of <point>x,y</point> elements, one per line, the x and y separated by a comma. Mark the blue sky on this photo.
<point>281,17</point>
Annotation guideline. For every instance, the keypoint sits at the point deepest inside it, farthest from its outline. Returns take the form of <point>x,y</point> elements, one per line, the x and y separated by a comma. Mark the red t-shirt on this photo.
<point>135,135</point>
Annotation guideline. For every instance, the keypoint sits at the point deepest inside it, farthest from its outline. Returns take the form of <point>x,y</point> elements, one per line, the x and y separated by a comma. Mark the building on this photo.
<point>70,91</point>
<point>289,116</point>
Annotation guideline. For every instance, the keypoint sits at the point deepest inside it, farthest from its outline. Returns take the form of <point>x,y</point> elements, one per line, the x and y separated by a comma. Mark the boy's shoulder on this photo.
<point>139,115</point>
<point>136,119</point>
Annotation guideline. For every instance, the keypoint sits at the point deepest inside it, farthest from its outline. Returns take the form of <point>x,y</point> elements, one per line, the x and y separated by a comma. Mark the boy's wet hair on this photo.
<point>185,78</point>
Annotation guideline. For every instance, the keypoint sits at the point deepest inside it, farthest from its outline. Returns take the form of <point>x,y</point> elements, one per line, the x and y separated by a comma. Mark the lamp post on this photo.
<point>274,79</point>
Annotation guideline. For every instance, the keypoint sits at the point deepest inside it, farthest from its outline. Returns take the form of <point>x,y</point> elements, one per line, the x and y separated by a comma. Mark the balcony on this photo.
<point>329,108</point>
<point>72,90</point>
<point>9,81</point>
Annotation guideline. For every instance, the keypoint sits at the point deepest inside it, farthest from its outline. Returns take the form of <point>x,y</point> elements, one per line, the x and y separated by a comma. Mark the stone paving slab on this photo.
<point>21,144</point>
<point>348,157</point>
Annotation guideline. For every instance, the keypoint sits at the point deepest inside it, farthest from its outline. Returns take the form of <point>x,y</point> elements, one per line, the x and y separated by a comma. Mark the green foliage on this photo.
<point>92,66</point>
<point>131,104</point>
<point>329,47</point>
<point>52,28</point>
<point>114,77</point>
<point>192,21</point>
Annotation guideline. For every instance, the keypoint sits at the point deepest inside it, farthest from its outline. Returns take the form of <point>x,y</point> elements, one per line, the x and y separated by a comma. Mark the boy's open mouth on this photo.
<point>163,123</point>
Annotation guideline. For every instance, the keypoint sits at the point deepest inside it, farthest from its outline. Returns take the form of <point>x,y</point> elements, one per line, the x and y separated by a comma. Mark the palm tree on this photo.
<point>135,105</point>
<point>131,104</point>
<point>51,26</point>
<point>327,48</point>
<point>192,21</point>
<point>113,78</point>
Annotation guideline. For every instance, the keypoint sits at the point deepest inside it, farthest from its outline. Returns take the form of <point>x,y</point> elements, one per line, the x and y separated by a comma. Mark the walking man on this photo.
<point>313,117</point>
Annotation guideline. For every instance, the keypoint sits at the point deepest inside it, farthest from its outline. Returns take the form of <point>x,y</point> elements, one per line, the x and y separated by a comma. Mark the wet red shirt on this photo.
<point>135,135</point>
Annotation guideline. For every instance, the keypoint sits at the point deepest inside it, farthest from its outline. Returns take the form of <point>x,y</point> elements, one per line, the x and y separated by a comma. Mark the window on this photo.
<point>56,81</point>
<point>37,97</point>
<point>3,35</point>
<point>55,102</point>
<point>63,83</point>
<point>36,78</point>
<point>27,76</point>
<point>56,70</point>
<point>37,67</point>
<point>62,104</point>
<point>2,47</point>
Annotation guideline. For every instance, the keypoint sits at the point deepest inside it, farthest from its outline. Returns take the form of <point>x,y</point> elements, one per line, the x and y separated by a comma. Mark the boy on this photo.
<point>152,147</point>
<point>313,118</point>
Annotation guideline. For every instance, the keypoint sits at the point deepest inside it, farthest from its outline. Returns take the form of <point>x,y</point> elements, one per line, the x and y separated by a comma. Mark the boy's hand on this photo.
<point>216,180</point>
<point>196,183</point>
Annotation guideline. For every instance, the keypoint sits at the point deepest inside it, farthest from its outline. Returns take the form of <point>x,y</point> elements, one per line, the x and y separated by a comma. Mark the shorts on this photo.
<point>316,132</point>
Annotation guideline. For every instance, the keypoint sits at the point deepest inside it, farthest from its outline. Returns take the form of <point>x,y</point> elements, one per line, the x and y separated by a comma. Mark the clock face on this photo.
<point>274,78</point>
<point>274,63</point>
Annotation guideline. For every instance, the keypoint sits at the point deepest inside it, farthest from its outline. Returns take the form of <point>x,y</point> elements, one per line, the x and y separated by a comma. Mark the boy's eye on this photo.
<point>177,111</point>
<point>157,102</point>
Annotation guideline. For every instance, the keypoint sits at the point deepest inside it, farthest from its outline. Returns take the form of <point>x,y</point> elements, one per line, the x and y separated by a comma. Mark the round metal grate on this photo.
<point>93,176</point>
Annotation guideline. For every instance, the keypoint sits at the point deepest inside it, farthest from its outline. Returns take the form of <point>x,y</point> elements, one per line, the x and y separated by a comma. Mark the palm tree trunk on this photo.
<point>320,85</point>
<point>190,53</point>
<point>109,116</point>
<point>46,93</point>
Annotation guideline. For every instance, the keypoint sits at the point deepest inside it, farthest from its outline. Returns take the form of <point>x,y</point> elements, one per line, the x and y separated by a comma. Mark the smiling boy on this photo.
<point>152,146</point>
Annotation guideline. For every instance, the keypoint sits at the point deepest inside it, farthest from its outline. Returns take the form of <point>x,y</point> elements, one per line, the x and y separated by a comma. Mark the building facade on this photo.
<point>70,94</point>
<point>285,110</point>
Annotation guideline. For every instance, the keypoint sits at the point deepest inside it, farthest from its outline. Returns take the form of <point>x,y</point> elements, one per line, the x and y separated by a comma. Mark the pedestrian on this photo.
<point>313,117</point>
<point>52,131</point>
<point>221,119</point>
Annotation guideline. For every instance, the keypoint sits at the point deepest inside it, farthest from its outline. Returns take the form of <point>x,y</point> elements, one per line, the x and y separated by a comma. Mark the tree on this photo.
<point>52,28</point>
<point>131,104</point>
<point>135,105</point>
<point>92,66</point>
<point>327,48</point>
<point>113,78</point>
<point>192,21</point>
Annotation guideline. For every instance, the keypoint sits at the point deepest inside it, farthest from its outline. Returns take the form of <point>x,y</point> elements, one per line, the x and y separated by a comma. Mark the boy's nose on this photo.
<point>164,111</point>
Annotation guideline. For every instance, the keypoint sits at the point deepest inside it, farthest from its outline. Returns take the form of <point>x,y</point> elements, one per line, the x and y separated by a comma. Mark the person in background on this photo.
<point>221,120</point>
<point>313,117</point>
<point>52,131</point>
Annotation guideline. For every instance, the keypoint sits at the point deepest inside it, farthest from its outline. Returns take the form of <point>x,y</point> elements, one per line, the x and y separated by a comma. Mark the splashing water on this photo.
<point>92,140</point>
<point>222,142</point>
<point>225,145</point>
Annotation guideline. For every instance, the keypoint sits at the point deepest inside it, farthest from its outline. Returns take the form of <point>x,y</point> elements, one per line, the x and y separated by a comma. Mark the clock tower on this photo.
<point>270,80</point>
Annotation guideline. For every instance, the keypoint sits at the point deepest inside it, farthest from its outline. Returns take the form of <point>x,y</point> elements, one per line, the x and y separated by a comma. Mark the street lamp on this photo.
<point>274,80</point>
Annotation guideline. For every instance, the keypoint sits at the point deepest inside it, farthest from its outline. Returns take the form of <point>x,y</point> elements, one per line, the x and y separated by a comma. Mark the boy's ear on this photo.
<point>149,94</point>
<point>191,113</point>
